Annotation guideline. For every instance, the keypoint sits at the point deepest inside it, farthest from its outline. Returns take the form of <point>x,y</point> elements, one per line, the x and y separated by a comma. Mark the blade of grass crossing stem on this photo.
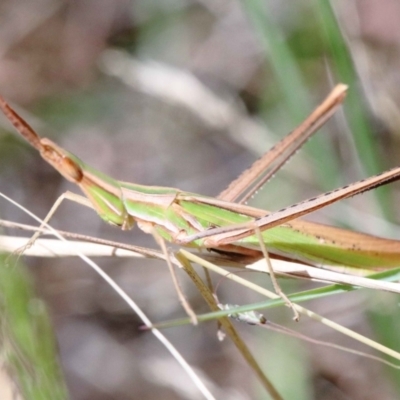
<point>348,332</point>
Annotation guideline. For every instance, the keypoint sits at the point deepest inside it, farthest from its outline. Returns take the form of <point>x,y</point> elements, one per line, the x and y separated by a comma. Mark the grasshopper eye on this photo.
<point>71,170</point>
<point>66,166</point>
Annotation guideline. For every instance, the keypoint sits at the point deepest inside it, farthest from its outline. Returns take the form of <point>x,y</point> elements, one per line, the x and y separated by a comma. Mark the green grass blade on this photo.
<point>26,336</point>
<point>291,84</point>
<point>355,109</point>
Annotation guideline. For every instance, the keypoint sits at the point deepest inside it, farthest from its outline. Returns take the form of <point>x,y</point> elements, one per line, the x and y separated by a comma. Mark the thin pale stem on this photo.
<point>185,304</point>
<point>228,326</point>
<point>274,281</point>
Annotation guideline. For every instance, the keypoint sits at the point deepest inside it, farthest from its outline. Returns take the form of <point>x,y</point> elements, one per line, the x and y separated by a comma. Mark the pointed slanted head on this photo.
<point>103,192</point>
<point>53,154</point>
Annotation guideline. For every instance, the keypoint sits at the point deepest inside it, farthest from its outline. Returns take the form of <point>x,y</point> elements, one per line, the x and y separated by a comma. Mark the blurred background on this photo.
<point>188,93</point>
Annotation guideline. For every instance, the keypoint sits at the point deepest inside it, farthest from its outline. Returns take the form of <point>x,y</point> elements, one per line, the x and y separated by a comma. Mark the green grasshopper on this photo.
<point>220,224</point>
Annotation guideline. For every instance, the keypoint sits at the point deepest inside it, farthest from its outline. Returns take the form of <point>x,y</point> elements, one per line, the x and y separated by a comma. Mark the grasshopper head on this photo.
<point>61,161</point>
